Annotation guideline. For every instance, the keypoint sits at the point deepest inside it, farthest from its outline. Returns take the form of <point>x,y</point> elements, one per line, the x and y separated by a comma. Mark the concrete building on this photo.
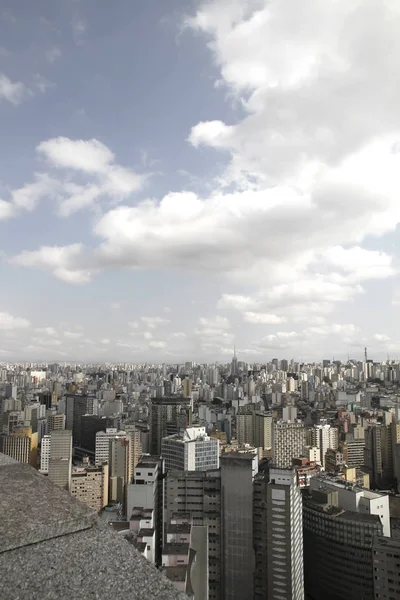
<point>323,437</point>
<point>45,454</point>
<point>288,443</point>
<point>190,450</point>
<point>55,421</point>
<point>284,547</point>
<point>340,522</point>
<point>185,558</point>
<point>76,406</point>
<point>237,474</point>
<point>16,446</point>
<point>386,565</point>
<point>146,492</point>
<point>334,462</point>
<point>90,485</point>
<point>102,444</point>
<point>355,499</point>
<point>120,465</point>
<point>196,496</point>
<point>245,428</point>
<point>168,415</point>
<point>353,451</point>
<point>60,462</point>
<point>263,423</point>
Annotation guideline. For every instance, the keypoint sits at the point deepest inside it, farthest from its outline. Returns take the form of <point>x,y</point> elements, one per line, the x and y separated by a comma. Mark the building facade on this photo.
<point>237,474</point>
<point>190,450</point>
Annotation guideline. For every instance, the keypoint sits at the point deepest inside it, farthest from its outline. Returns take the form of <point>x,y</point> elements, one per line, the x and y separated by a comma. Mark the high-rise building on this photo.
<point>386,559</point>
<point>55,421</point>
<point>245,428</point>
<point>45,454</point>
<point>353,451</point>
<point>340,522</point>
<point>263,423</point>
<point>284,544</point>
<point>323,437</point>
<point>190,450</point>
<point>168,415</point>
<point>378,455</point>
<point>187,387</point>
<point>260,529</point>
<point>76,407</point>
<point>237,473</point>
<point>288,443</point>
<point>120,468</point>
<point>197,495</point>
<point>90,486</point>
<point>234,364</point>
<point>17,446</point>
<point>33,445</point>
<point>60,462</point>
<point>102,444</point>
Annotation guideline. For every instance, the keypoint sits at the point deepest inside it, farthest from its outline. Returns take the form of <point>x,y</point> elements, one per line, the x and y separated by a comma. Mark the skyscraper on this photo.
<point>323,437</point>
<point>284,566</point>
<point>168,415</point>
<point>237,474</point>
<point>288,443</point>
<point>197,495</point>
<point>190,450</point>
<point>341,521</point>
<point>76,407</point>
<point>60,462</point>
<point>17,446</point>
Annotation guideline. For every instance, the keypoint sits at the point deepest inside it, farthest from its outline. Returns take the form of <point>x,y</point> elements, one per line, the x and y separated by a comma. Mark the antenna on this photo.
<point>365,354</point>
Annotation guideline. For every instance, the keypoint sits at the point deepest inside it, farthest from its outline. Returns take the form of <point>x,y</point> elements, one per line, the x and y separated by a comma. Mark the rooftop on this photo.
<point>80,556</point>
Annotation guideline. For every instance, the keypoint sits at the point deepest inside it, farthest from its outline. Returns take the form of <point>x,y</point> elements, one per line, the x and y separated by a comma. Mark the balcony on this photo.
<point>53,547</point>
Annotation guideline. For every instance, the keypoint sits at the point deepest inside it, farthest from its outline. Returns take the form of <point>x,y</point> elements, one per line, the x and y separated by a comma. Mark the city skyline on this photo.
<point>176,180</point>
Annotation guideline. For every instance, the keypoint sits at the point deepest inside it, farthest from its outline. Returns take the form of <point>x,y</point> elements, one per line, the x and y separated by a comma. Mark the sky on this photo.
<point>180,177</point>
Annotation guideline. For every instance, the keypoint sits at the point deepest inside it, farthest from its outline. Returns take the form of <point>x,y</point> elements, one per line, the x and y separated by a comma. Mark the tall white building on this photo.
<point>324,437</point>
<point>45,454</point>
<point>190,450</point>
<point>284,536</point>
<point>102,448</point>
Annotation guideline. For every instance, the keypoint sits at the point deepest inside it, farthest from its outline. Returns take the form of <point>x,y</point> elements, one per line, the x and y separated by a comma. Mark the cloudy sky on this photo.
<point>177,177</point>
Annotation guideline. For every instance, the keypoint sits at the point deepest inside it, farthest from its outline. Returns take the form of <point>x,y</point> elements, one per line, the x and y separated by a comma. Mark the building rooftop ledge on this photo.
<point>81,557</point>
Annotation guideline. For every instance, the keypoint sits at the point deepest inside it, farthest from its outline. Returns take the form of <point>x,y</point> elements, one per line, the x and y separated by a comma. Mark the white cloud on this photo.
<point>380,337</point>
<point>13,92</point>
<point>89,156</point>
<point>73,335</point>
<point>147,335</point>
<point>263,318</point>
<point>7,210</point>
<point>133,324</point>
<point>105,341</point>
<point>47,330</point>
<point>236,302</point>
<point>179,334</point>
<point>8,322</point>
<point>158,344</point>
<point>154,322</point>
<point>61,260</point>
<point>215,322</point>
<point>93,163</point>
